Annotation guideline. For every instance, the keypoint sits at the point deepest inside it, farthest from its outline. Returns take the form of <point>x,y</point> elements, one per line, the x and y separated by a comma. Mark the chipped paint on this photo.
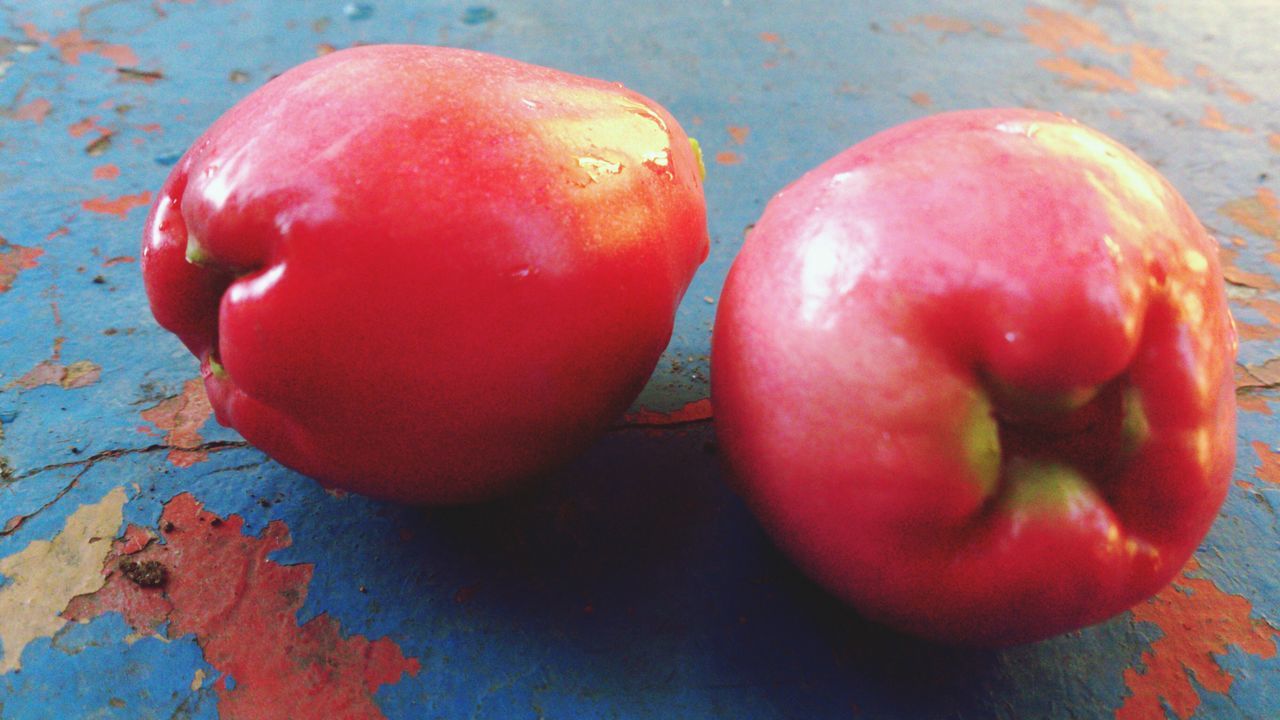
<point>243,612</point>
<point>1147,67</point>
<point>1268,467</point>
<point>1199,622</point>
<point>78,374</point>
<point>728,157</point>
<point>117,206</point>
<point>1260,214</point>
<point>47,574</point>
<point>1060,31</point>
<point>1092,77</point>
<point>1237,275</point>
<point>88,125</point>
<point>181,417</point>
<point>33,111</point>
<point>55,135</point>
<point>106,172</point>
<point>1214,120</point>
<point>1251,403</point>
<point>1215,83</point>
<point>72,45</point>
<point>695,411</point>
<point>13,260</point>
<point>946,25</point>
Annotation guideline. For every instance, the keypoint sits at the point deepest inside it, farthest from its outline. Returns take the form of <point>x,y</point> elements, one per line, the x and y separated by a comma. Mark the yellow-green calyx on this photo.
<point>196,254</point>
<point>217,369</point>
<point>981,442</point>
<point>697,153</point>
<point>1045,486</point>
<point>1135,426</point>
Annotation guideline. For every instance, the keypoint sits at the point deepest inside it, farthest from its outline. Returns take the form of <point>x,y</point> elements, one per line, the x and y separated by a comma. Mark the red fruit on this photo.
<point>975,376</point>
<point>427,274</point>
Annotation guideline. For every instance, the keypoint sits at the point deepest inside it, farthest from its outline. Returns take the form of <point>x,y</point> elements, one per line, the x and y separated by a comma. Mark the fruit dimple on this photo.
<point>981,441</point>
<point>1043,486</point>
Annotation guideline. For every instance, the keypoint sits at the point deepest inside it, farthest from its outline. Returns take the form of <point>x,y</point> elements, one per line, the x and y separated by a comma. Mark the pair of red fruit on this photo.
<point>974,374</point>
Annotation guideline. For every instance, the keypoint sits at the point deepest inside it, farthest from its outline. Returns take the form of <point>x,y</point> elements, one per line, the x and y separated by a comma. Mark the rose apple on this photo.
<point>975,375</point>
<point>426,274</point>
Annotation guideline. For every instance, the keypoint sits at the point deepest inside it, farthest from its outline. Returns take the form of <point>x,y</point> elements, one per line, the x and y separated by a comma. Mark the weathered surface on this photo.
<point>635,585</point>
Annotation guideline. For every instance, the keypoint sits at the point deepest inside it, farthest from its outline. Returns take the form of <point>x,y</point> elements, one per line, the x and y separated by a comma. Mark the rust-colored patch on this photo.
<point>1268,468</point>
<point>1270,309</point>
<point>739,133</point>
<point>1251,403</point>
<point>922,99</point>
<point>35,110</point>
<point>690,412</point>
<point>134,540</point>
<point>770,37</point>
<point>1077,74</point>
<point>118,260</point>
<point>1214,120</point>
<point>1274,141</point>
<point>118,206</point>
<point>13,260</point>
<point>1216,83</point>
<point>728,157</point>
<point>81,373</point>
<point>181,417</point>
<point>1260,213</point>
<point>242,607</point>
<point>1245,278</point>
<point>1147,66</point>
<point>86,126</point>
<point>1062,31</point>
<point>106,172</point>
<point>1199,621</point>
<point>72,44</point>
<point>34,33</point>
<point>944,24</point>
<point>1249,332</point>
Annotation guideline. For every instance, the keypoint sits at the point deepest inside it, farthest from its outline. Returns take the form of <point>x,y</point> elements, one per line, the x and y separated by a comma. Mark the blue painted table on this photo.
<point>152,565</point>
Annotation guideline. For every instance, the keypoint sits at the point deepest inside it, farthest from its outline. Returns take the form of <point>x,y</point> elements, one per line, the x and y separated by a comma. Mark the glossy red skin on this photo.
<point>429,273</point>
<point>1007,257</point>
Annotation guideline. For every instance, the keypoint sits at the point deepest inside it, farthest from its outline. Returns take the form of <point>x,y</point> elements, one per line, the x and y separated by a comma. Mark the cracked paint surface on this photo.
<point>181,417</point>
<point>242,610</point>
<point>46,575</point>
<point>71,376</point>
<point>639,587</point>
<point>119,206</point>
<point>13,260</point>
<point>1199,623</point>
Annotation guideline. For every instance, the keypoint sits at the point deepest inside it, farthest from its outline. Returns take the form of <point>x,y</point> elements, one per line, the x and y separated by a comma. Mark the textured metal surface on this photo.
<point>636,586</point>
